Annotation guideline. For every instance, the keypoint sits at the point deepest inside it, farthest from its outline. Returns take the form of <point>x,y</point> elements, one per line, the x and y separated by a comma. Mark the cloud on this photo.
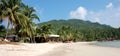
<point>106,16</point>
<point>110,5</point>
<point>80,13</point>
<point>93,16</point>
<point>109,15</point>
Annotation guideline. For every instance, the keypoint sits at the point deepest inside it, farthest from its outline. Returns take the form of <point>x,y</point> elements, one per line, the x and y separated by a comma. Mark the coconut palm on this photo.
<point>29,30</point>
<point>19,15</point>
<point>44,30</point>
<point>11,10</point>
<point>65,33</point>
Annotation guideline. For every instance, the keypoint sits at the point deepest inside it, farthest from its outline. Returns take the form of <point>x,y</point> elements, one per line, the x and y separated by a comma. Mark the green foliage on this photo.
<point>44,30</point>
<point>2,31</point>
<point>24,39</point>
<point>19,15</point>
<point>64,33</point>
<point>79,30</point>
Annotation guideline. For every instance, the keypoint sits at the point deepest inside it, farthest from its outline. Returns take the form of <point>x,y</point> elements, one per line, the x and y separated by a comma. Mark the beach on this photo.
<point>26,49</point>
<point>58,49</point>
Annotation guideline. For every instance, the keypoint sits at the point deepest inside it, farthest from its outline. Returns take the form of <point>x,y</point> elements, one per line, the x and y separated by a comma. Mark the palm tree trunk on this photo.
<point>34,39</point>
<point>30,40</point>
<point>7,29</point>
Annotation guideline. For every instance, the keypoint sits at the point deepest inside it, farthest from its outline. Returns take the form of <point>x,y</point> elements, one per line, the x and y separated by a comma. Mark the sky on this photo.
<point>102,11</point>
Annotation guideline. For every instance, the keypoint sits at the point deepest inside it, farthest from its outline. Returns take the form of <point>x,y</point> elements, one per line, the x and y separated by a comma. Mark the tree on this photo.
<point>29,30</point>
<point>65,33</point>
<point>12,10</point>
<point>44,30</point>
<point>19,15</point>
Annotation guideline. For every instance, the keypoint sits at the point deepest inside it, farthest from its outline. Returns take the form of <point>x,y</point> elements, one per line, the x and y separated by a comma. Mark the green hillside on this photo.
<point>82,30</point>
<point>75,24</point>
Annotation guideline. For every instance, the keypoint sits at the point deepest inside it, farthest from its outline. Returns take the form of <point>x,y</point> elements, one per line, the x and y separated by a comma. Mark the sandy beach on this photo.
<point>57,49</point>
<point>26,49</point>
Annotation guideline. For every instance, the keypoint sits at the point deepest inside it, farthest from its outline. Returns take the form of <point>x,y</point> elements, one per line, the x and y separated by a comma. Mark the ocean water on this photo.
<point>115,43</point>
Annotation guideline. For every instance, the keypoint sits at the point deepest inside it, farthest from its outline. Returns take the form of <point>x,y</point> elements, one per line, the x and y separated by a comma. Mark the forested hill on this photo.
<point>78,30</point>
<point>75,24</point>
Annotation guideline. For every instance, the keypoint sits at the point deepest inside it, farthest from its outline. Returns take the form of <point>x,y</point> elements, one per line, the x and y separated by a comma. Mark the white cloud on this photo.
<point>106,16</point>
<point>80,13</point>
<point>110,5</point>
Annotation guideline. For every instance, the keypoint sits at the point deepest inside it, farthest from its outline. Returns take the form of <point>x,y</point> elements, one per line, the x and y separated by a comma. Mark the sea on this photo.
<point>115,43</point>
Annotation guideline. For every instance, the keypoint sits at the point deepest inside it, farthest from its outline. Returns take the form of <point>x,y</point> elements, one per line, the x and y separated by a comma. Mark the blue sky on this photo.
<point>102,11</point>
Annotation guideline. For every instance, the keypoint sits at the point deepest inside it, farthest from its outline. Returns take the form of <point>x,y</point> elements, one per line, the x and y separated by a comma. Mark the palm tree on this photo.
<point>29,30</point>
<point>12,9</point>
<point>44,30</point>
<point>19,15</point>
<point>65,33</point>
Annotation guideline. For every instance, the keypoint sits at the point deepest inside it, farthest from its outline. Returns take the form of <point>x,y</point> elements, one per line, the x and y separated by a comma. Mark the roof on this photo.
<point>12,35</point>
<point>54,35</point>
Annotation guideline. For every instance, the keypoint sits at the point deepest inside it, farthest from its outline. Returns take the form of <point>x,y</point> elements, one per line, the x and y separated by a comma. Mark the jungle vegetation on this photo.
<point>79,30</point>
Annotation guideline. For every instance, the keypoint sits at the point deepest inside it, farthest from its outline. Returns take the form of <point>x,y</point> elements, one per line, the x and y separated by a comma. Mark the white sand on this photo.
<point>26,49</point>
<point>83,49</point>
<point>58,49</point>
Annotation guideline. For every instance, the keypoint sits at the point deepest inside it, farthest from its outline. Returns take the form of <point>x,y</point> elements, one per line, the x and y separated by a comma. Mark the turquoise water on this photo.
<point>109,43</point>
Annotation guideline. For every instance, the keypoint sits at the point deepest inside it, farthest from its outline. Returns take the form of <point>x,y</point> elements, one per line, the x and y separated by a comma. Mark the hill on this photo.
<point>75,24</point>
<point>86,29</point>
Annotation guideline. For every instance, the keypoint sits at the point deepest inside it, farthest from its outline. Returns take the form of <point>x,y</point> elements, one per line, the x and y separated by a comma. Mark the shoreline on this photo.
<point>83,49</point>
<point>106,43</point>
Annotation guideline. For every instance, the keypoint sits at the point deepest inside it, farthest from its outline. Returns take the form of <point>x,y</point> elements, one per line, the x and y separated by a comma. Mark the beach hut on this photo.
<point>53,38</point>
<point>12,38</point>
